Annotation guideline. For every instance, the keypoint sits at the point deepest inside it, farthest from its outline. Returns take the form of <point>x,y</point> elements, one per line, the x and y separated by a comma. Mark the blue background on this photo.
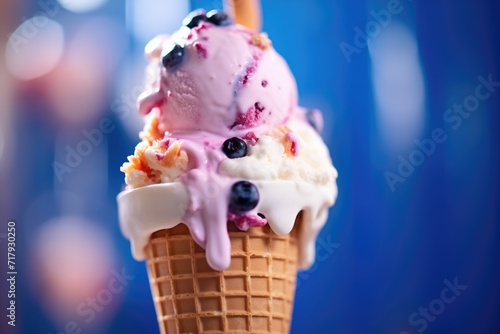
<point>384,253</point>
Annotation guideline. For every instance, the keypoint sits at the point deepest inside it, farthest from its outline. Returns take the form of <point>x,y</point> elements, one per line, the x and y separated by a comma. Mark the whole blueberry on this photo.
<point>219,18</point>
<point>234,148</point>
<point>191,21</point>
<point>174,57</point>
<point>244,196</point>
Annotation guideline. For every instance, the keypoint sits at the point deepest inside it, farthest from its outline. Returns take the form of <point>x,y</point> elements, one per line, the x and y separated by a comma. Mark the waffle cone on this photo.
<point>254,295</point>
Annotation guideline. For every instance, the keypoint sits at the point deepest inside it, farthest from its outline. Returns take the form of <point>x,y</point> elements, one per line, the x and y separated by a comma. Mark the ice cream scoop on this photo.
<point>218,78</point>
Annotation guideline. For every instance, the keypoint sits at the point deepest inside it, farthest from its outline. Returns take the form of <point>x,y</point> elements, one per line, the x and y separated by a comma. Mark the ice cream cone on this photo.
<point>230,144</point>
<point>254,295</point>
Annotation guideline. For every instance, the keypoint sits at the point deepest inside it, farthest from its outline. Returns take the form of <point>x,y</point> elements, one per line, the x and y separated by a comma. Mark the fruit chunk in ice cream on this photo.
<point>224,141</point>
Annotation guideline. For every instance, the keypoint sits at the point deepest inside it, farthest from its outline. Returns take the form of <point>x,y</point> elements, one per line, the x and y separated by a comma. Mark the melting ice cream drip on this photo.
<point>206,217</point>
<point>208,213</point>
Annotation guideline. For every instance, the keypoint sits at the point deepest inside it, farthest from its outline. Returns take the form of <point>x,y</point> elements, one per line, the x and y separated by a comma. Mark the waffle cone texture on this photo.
<point>254,295</point>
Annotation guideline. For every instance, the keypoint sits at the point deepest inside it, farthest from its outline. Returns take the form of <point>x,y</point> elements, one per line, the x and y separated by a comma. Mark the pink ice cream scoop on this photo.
<point>218,78</point>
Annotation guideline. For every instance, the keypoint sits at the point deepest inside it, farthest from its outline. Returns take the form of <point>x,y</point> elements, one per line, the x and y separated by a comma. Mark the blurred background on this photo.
<point>410,92</point>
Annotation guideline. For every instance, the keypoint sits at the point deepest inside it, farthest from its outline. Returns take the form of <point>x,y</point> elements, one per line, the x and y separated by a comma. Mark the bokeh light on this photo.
<point>72,258</point>
<point>77,88</point>
<point>398,87</point>
<point>35,48</point>
<point>82,6</point>
<point>148,18</point>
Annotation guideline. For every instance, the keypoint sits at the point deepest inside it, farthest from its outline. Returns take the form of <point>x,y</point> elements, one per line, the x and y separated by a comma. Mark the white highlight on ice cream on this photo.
<point>145,210</point>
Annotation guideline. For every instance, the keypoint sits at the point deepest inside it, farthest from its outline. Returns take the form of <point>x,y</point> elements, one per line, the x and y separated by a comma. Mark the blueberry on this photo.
<point>234,148</point>
<point>315,119</point>
<point>244,196</point>
<point>174,57</point>
<point>219,18</point>
<point>194,18</point>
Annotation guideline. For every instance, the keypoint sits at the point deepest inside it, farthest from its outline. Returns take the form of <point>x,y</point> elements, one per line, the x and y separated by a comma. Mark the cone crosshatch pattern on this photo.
<point>254,295</point>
